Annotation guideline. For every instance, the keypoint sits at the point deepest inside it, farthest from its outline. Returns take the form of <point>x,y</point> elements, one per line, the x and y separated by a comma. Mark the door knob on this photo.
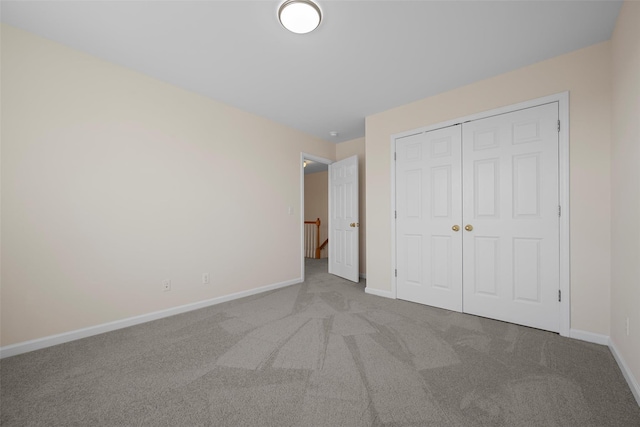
<point>456,228</point>
<point>354,224</point>
<point>468,227</point>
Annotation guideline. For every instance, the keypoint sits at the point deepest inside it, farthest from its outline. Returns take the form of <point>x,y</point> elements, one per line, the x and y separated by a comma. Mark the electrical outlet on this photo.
<point>627,326</point>
<point>205,278</point>
<point>166,285</point>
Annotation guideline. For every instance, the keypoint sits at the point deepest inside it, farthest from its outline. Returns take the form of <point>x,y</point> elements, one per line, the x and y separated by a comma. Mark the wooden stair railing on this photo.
<point>318,248</point>
<point>321,247</point>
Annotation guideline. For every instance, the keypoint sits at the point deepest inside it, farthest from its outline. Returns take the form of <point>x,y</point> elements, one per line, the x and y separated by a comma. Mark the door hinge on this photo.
<point>559,295</point>
<point>559,210</point>
<point>558,125</point>
<point>396,272</point>
<point>396,214</point>
<point>394,156</point>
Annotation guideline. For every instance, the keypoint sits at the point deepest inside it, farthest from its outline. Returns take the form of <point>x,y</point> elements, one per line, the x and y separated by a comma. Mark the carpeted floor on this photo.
<point>322,353</point>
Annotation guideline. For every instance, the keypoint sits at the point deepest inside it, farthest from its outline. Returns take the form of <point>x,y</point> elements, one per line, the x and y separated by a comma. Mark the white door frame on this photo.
<point>563,182</point>
<point>303,157</point>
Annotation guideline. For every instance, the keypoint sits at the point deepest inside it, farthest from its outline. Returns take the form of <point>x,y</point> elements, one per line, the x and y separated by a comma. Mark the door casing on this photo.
<point>563,191</point>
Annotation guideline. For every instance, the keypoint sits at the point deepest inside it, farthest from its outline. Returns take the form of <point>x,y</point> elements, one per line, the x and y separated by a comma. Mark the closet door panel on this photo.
<point>429,204</point>
<point>510,194</point>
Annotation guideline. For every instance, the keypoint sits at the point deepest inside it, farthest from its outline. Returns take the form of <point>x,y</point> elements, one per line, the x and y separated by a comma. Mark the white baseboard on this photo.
<point>378,292</point>
<point>626,372</point>
<point>589,337</point>
<point>26,346</point>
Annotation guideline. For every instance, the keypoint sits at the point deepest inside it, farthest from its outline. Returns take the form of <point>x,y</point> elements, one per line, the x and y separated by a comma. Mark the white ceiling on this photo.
<point>366,56</point>
<point>315,167</point>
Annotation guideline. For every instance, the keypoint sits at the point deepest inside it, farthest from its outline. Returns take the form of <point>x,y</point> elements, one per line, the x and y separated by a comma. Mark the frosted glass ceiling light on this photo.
<point>300,16</point>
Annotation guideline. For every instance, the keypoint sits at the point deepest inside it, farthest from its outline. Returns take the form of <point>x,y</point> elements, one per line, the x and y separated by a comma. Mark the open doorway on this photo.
<point>315,212</point>
<point>342,210</point>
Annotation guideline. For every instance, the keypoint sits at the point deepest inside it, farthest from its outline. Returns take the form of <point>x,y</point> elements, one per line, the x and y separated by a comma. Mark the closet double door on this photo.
<point>477,221</point>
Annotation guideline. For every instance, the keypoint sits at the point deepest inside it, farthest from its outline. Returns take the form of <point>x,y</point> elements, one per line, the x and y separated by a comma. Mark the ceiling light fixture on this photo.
<point>300,16</point>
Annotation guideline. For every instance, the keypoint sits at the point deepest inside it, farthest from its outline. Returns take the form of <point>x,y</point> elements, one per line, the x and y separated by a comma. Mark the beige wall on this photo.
<point>113,181</point>
<point>586,74</point>
<point>316,203</point>
<point>625,186</point>
<point>348,149</point>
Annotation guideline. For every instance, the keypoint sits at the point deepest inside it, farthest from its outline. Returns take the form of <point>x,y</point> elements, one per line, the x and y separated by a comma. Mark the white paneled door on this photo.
<point>429,214</point>
<point>511,256</point>
<point>505,256</point>
<point>344,225</point>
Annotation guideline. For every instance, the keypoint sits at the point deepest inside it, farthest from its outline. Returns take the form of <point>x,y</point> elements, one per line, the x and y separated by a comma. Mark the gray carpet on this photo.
<point>322,353</point>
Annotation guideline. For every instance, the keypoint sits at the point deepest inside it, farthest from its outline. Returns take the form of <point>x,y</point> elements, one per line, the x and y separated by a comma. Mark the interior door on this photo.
<point>496,181</point>
<point>429,215</point>
<point>510,207</point>
<point>344,226</point>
